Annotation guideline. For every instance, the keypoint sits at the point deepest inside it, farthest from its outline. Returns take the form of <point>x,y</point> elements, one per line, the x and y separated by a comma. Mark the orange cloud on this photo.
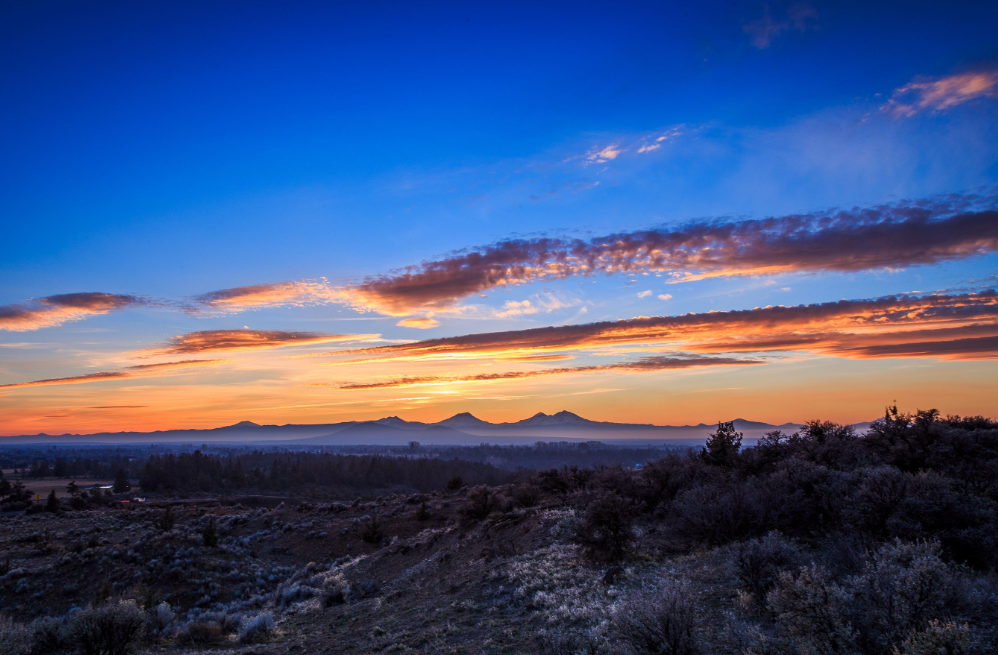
<point>129,372</point>
<point>420,323</point>
<point>297,293</point>
<point>56,310</point>
<point>942,93</point>
<point>848,328</point>
<point>645,364</point>
<point>891,236</point>
<point>214,340</point>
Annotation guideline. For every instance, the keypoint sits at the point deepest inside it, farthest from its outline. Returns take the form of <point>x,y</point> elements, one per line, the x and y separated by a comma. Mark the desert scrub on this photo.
<point>552,580</point>
<point>109,629</point>
<point>15,638</point>
<point>256,629</point>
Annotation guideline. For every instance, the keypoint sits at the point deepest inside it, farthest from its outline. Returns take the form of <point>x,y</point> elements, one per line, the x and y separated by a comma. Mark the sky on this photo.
<point>665,213</point>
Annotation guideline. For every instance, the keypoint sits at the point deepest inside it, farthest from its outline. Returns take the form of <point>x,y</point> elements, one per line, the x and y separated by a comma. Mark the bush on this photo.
<point>525,494</point>
<point>455,483</point>
<point>606,529</point>
<point>661,624</point>
<point>200,634</point>
<point>48,635</point>
<point>209,535</point>
<point>372,532</point>
<point>939,639</point>
<point>256,629</point>
<point>758,564</point>
<point>811,610</point>
<point>110,629</point>
<point>902,592</point>
<point>482,501</point>
<point>15,638</point>
<point>158,619</point>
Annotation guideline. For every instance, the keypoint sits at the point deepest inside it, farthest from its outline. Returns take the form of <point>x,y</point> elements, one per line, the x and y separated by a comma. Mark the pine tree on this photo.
<point>52,504</point>
<point>209,535</point>
<point>121,482</point>
<point>722,446</point>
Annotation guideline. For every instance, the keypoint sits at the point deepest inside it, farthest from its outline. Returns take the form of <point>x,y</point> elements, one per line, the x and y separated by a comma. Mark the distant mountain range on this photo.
<point>460,429</point>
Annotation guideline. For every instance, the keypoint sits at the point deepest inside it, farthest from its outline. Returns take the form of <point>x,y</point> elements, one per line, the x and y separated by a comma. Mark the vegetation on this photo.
<point>820,541</point>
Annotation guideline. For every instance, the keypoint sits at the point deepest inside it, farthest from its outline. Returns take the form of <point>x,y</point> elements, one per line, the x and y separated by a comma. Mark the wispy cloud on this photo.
<point>942,93</point>
<point>128,372</point>
<point>763,30</point>
<point>889,236</point>
<point>219,340</point>
<point>847,328</point>
<point>644,364</point>
<point>604,154</point>
<point>420,323</point>
<point>56,310</point>
<point>298,293</point>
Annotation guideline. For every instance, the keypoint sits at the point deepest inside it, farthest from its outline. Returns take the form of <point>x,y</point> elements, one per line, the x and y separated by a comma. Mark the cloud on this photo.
<point>56,310</point>
<point>215,340</point>
<point>603,155</point>
<point>297,293</point>
<point>644,364</point>
<point>762,31</point>
<point>846,328</point>
<point>883,237</point>
<point>421,323</point>
<point>644,294</point>
<point>128,372</point>
<point>665,296</point>
<point>513,308</point>
<point>942,93</point>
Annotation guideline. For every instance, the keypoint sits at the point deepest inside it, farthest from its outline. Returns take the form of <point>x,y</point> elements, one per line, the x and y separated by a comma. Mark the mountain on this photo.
<point>464,420</point>
<point>463,428</point>
<point>561,419</point>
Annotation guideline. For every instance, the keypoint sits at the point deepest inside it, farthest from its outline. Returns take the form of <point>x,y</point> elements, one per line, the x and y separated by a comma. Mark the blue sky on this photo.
<point>174,149</point>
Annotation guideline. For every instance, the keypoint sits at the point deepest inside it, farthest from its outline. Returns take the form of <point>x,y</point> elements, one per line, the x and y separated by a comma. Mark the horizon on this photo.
<point>247,423</point>
<point>651,214</point>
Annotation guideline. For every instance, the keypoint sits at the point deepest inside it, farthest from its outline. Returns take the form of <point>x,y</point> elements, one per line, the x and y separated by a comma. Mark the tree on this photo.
<point>166,521</point>
<point>4,486</point>
<point>209,535</point>
<point>722,446</point>
<point>52,504</point>
<point>121,482</point>
<point>72,489</point>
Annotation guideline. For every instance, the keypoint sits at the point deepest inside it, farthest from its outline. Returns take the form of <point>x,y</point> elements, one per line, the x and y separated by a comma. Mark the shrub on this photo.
<point>455,483</point>
<point>200,634</point>
<point>758,564</point>
<point>661,624</point>
<point>423,513</point>
<point>606,530</point>
<point>525,494</point>
<point>15,638</point>
<point>903,587</point>
<point>482,501</point>
<point>256,629</point>
<point>209,535</point>
<point>158,619</point>
<point>293,593</point>
<point>48,635</point>
<point>110,629</point>
<point>714,514</point>
<point>811,610</point>
<point>939,639</point>
<point>372,532</point>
